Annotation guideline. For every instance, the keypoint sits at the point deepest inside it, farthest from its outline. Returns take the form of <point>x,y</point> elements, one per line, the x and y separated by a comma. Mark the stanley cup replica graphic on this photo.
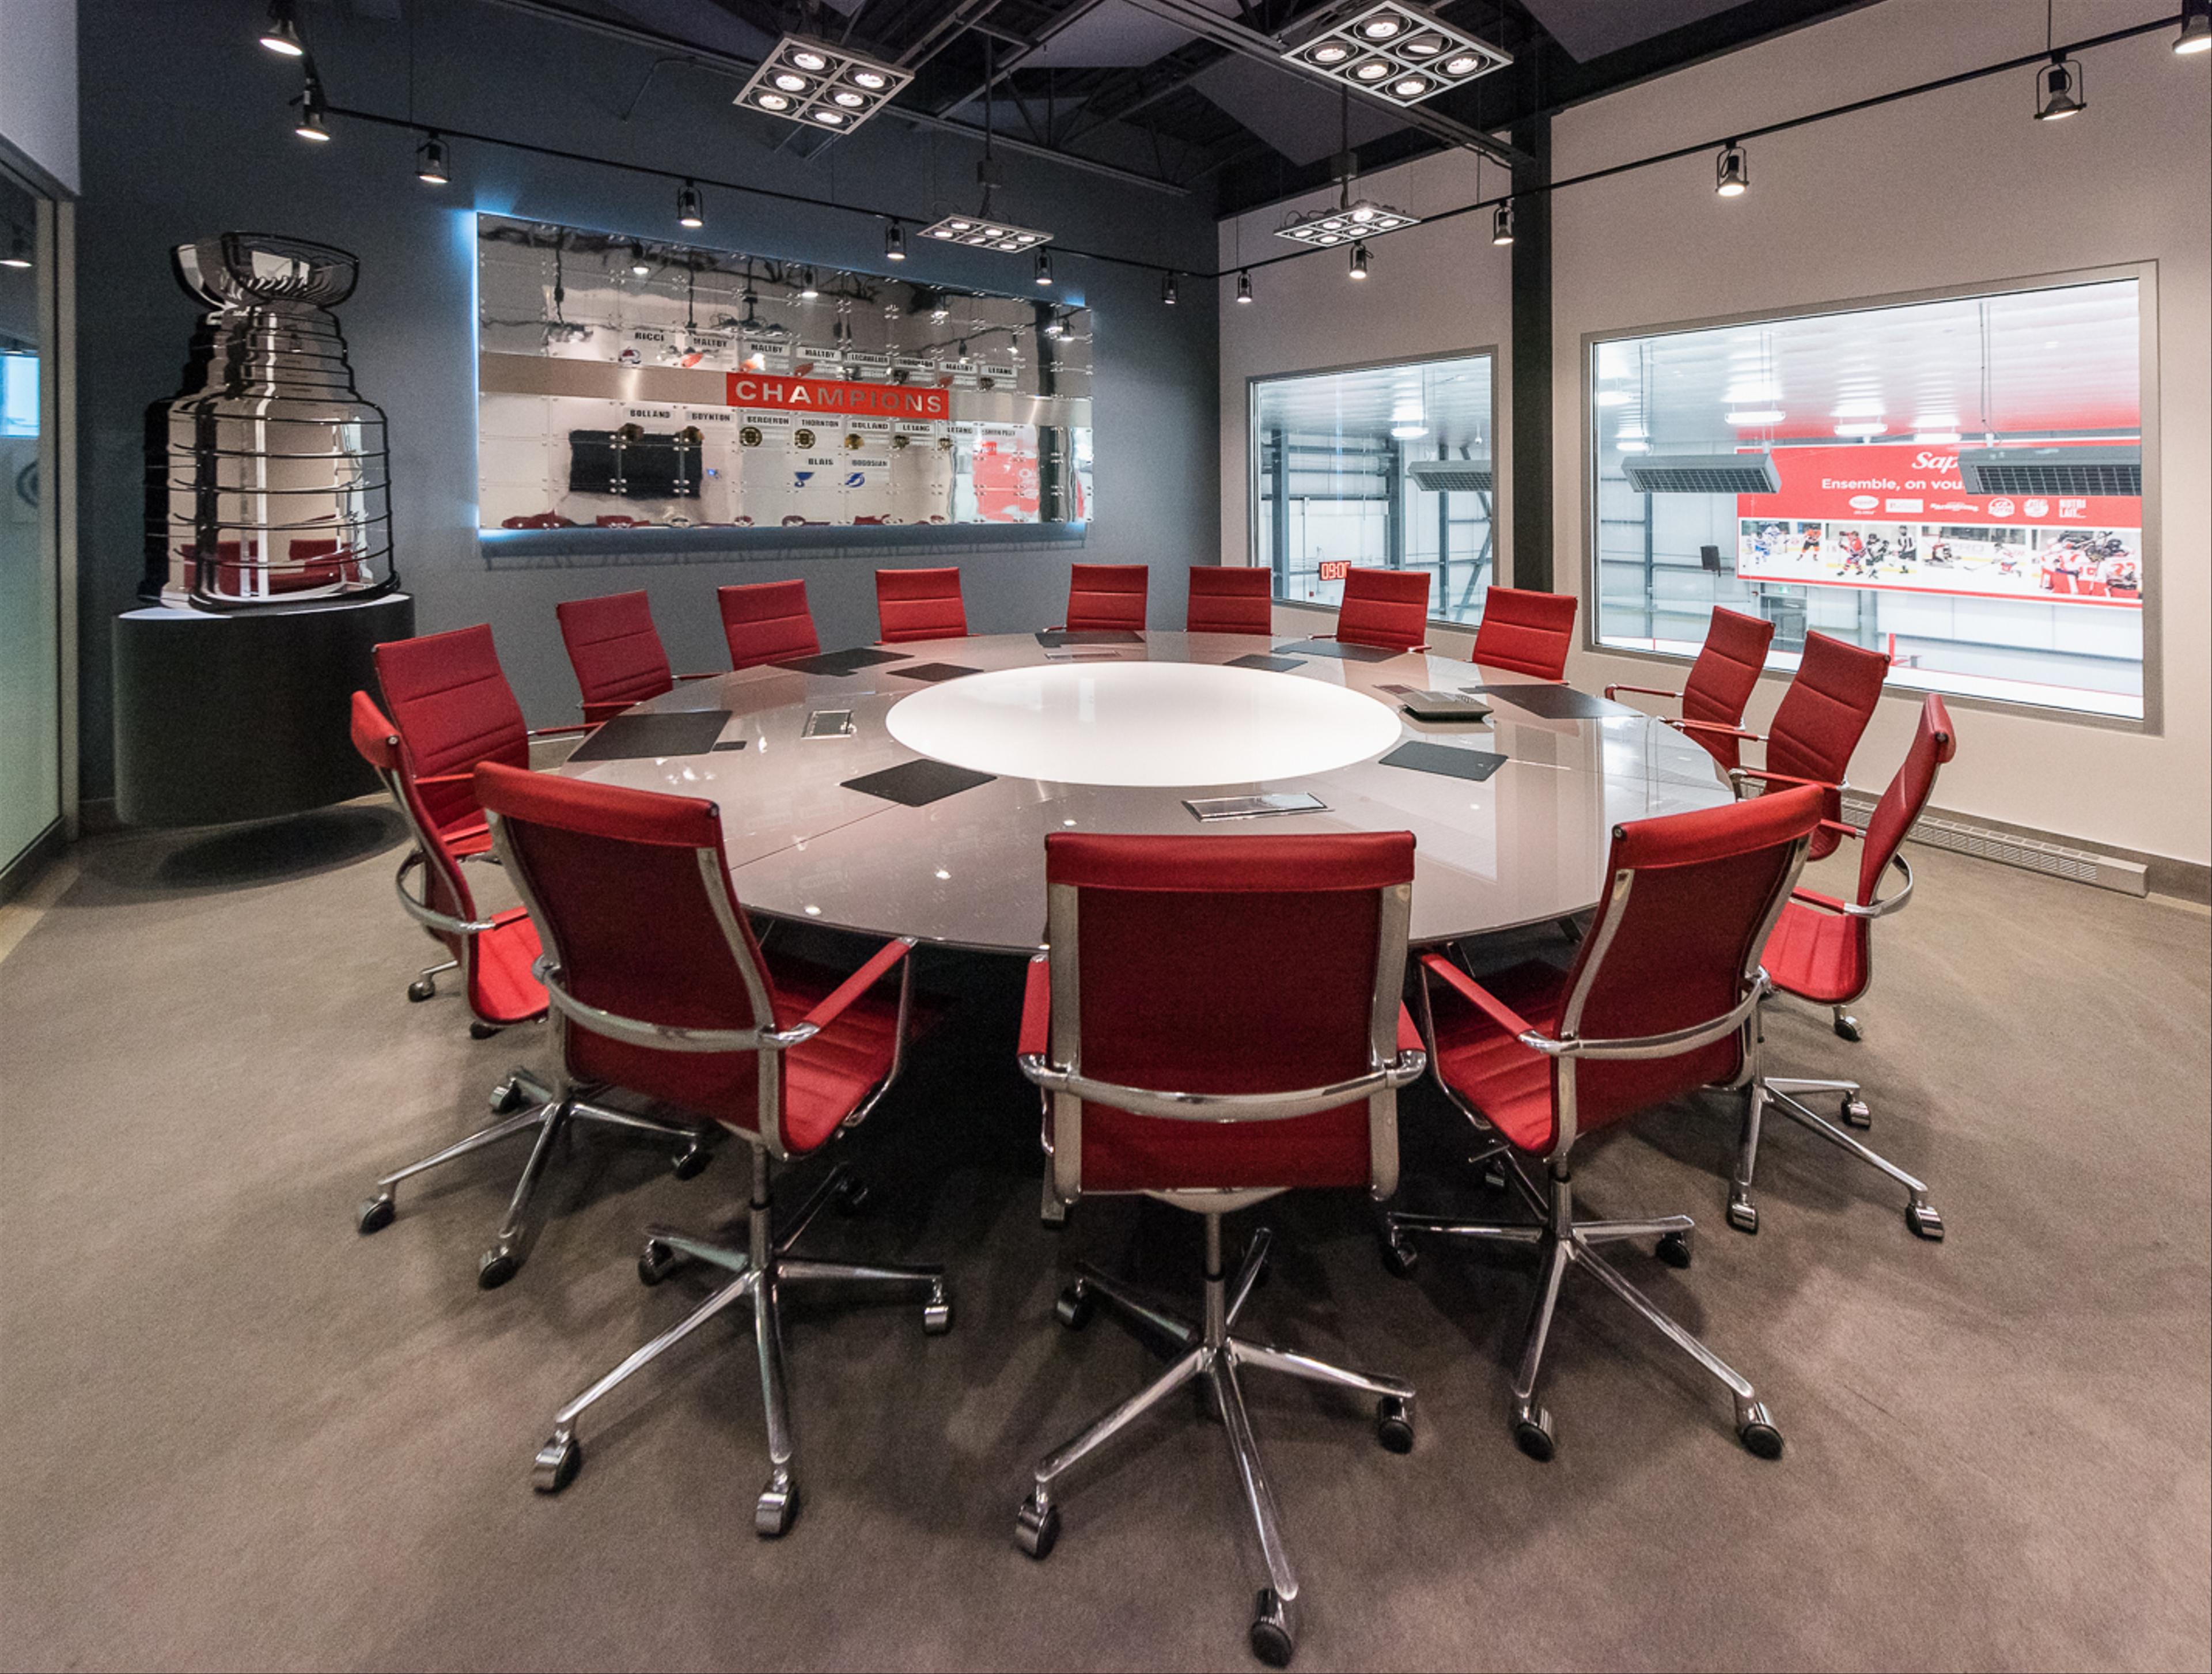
<point>267,480</point>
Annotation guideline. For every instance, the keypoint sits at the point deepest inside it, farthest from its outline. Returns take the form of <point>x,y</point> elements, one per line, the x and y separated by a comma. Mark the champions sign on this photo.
<point>831,396</point>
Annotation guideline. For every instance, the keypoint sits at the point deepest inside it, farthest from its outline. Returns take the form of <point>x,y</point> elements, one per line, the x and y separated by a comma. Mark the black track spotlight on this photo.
<point>1731,172</point>
<point>2196,35</point>
<point>691,209</point>
<point>2058,92</point>
<point>638,264</point>
<point>808,289</point>
<point>894,243</point>
<point>1359,259</point>
<point>283,34</point>
<point>310,124</point>
<point>1044,267</point>
<point>1244,288</point>
<point>1501,223</point>
<point>1170,292</point>
<point>18,253</point>
<point>432,166</point>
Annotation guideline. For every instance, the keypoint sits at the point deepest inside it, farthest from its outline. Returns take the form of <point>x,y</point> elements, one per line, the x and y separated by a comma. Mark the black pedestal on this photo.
<point>221,718</point>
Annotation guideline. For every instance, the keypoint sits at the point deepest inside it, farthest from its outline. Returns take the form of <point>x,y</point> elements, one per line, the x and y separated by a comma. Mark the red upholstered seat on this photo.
<point>451,706</point>
<point>1230,598</point>
<point>1525,631</point>
<point>1107,596</point>
<point>1178,952</point>
<point>767,622</point>
<point>1821,719</point>
<point>615,652</point>
<point>919,604</point>
<point>1720,685</point>
<point>1385,607</point>
<point>634,899</point>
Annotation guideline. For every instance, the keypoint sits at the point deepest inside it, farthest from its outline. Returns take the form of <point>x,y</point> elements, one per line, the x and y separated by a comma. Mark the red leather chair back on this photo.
<point>1107,595</point>
<point>1385,607</point>
<point>1230,598</point>
<point>634,904</point>
<point>767,622</point>
<point>1723,677</point>
<point>1525,631</point>
<point>1227,965</point>
<point>1932,746</point>
<point>1822,718</point>
<point>453,709</point>
<point>1689,900</point>
<point>919,604</point>
<point>615,650</point>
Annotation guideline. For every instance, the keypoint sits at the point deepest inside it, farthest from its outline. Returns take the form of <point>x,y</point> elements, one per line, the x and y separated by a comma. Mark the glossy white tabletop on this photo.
<point>1067,740</point>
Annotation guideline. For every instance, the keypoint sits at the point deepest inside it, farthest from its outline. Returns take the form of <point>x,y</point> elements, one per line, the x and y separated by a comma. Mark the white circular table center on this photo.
<point>1143,723</point>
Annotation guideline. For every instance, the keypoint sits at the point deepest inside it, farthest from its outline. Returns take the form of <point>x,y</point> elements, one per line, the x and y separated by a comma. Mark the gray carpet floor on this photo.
<point>237,1435</point>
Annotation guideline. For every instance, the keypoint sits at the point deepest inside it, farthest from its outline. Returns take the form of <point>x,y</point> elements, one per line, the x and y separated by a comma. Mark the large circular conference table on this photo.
<point>1122,738</point>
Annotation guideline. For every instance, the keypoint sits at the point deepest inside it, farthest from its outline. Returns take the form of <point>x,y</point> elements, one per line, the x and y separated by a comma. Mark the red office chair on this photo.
<point>919,604</point>
<point>659,986</point>
<point>1107,596</point>
<point>1720,683</point>
<point>1662,998</point>
<point>1230,598</point>
<point>1385,607</point>
<point>1822,951</point>
<point>615,652</point>
<point>1525,631</point>
<point>495,955</point>
<point>451,707</point>
<point>767,621</point>
<point>1181,1055</point>
<point>1816,728</point>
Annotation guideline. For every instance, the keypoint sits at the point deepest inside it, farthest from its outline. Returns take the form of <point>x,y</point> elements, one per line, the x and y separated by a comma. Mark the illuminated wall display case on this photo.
<point>626,384</point>
<point>1957,483</point>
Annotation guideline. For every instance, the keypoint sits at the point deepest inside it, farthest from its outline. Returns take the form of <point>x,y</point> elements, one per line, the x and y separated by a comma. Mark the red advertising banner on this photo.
<point>829,395</point>
<point>1919,485</point>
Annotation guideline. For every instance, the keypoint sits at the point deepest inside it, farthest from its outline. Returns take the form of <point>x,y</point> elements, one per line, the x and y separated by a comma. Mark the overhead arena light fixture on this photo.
<point>1453,476</point>
<point>818,85</point>
<point>2114,471</point>
<point>1698,473</point>
<point>983,230</point>
<point>1394,54</point>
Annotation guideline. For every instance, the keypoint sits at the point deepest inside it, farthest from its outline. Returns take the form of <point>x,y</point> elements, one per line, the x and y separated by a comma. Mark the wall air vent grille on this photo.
<point>2055,860</point>
<point>1452,476</point>
<point>1701,473</point>
<point>2090,471</point>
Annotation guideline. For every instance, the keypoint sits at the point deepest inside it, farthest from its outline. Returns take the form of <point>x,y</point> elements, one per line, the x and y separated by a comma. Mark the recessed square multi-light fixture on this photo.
<point>983,234</point>
<point>1344,224</point>
<point>818,85</point>
<point>1396,53</point>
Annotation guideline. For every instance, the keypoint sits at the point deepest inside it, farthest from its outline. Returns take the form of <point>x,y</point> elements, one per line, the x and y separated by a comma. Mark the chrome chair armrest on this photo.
<point>1654,1046</point>
<point>1221,1106</point>
<point>428,916</point>
<point>1883,908</point>
<point>663,1036</point>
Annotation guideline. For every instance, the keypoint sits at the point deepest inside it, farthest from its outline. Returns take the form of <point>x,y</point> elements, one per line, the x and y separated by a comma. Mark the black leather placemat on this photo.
<point>627,737</point>
<point>1052,637</point>
<point>1337,648</point>
<point>933,670</point>
<point>842,662</point>
<point>1554,702</point>
<point>918,782</point>
<point>1261,660</point>
<point>1476,765</point>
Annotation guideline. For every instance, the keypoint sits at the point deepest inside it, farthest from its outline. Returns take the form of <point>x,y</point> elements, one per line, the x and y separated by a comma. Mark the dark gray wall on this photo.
<point>186,132</point>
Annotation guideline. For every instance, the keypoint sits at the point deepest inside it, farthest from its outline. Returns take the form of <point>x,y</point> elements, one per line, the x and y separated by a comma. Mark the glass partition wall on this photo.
<point>30,590</point>
<point>1956,483</point>
<point>1384,466</point>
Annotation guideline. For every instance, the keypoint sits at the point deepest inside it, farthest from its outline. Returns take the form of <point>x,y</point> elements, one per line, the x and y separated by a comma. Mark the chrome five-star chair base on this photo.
<point>1783,1091</point>
<point>756,1275</point>
<point>1562,1242</point>
<point>1210,1357</point>
<point>524,1104</point>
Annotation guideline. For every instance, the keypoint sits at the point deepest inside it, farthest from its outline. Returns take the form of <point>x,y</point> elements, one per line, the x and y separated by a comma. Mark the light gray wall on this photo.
<point>195,138</point>
<point>38,84</point>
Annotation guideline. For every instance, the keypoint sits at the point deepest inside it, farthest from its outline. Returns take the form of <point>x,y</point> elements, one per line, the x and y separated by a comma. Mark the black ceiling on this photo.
<point>1187,92</point>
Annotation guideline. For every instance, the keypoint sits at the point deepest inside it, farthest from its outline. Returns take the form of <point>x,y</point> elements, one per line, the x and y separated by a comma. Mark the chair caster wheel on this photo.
<point>1393,1424</point>
<point>1742,1216</point>
<point>557,1462</point>
<point>854,1194</point>
<point>498,1265</point>
<point>421,989</point>
<point>1674,1250</point>
<point>1074,1307</point>
<point>375,1213</point>
<point>658,1262</point>
<point>1847,1028</point>
<point>482,1031</point>
<point>937,1314</point>
<point>1036,1528</point>
<point>1856,1114</point>
<point>508,1097</point>
<point>1754,1429</point>
<point>691,1161</point>
<point>777,1509</point>
<point>1532,1434</point>
<point>1272,1642</point>
<point>1399,1259</point>
<point>1919,1214</point>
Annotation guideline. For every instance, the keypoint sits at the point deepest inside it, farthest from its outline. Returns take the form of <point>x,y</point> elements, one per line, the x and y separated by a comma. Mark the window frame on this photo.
<point>1500,456</point>
<point>2144,273</point>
